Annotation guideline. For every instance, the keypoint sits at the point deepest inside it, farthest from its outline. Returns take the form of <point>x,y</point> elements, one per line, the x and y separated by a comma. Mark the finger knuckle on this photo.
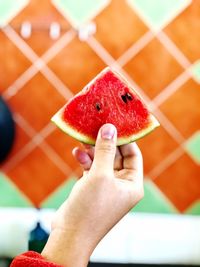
<point>99,175</point>
<point>107,148</point>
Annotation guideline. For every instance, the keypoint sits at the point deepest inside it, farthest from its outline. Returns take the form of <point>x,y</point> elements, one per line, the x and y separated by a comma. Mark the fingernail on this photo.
<point>108,131</point>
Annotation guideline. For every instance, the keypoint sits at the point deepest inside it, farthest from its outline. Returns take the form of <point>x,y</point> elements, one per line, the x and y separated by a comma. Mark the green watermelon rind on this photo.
<point>66,128</point>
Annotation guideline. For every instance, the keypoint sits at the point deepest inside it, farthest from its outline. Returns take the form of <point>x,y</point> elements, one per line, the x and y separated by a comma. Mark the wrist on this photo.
<point>67,248</point>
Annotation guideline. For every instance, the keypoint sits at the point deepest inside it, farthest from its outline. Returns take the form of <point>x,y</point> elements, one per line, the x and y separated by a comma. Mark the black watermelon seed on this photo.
<point>124,98</point>
<point>98,106</point>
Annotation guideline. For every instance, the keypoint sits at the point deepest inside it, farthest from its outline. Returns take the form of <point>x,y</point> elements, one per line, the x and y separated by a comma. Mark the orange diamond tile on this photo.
<point>76,65</point>
<point>40,14</point>
<point>153,68</point>
<point>21,139</point>
<point>181,182</point>
<point>185,29</point>
<point>13,62</point>
<point>118,27</point>
<point>37,101</point>
<point>155,147</point>
<point>183,109</point>
<point>37,176</point>
<point>63,145</point>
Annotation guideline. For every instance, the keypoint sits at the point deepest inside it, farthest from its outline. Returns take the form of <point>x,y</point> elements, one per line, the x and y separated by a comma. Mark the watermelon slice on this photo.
<point>108,98</point>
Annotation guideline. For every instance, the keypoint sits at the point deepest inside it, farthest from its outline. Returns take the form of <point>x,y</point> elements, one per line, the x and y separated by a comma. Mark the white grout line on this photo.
<point>24,125</point>
<point>58,46</point>
<point>182,78</point>
<point>55,158</point>
<point>167,162</point>
<point>135,48</point>
<point>20,82</point>
<point>47,130</point>
<point>38,63</point>
<point>19,42</point>
<point>171,88</point>
<point>37,139</point>
<point>56,82</point>
<point>18,157</point>
<point>173,50</point>
<point>169,127</point>
<point>100,51</point>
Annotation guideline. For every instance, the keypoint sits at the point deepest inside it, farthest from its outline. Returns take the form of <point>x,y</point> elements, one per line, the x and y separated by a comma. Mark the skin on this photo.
<point>111,185</point>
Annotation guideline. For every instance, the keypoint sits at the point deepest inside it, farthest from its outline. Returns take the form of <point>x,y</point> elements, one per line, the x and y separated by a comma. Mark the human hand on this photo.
<point>111,185</point>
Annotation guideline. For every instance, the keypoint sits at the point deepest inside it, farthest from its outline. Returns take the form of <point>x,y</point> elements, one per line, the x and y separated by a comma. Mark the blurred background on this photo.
<point>48,51</point>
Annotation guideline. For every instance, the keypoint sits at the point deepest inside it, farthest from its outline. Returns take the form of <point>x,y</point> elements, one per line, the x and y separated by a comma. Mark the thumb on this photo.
<point>105,149</point>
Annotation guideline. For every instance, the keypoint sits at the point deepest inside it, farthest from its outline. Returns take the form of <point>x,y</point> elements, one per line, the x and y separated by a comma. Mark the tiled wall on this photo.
<point>50,49</point>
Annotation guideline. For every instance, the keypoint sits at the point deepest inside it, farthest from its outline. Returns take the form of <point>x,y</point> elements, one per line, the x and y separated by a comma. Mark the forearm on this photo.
<point>67,249</point>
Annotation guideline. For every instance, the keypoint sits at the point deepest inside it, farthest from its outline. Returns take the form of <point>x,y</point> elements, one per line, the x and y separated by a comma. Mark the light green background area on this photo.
<point>158,12</point>
<point>154,201</point>
<point>10,196</point>
<point>59,195</point>
<point>195,70</point>
<point>9,9</point>
<point>79,12</point>
<point>192,147</point>
<point>194,209</point>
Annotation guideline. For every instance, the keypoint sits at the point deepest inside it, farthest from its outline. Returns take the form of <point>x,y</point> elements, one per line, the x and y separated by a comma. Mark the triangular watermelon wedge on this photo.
<point>108,98</point>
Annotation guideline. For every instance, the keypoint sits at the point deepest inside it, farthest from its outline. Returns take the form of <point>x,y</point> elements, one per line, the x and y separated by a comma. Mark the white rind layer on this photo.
<point>66,128</point>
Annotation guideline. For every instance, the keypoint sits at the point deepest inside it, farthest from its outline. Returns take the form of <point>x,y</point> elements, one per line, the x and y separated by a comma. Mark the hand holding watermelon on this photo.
<point>111,185</point>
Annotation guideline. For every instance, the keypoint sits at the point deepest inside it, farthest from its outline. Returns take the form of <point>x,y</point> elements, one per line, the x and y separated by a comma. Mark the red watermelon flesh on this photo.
<point>106,99</point>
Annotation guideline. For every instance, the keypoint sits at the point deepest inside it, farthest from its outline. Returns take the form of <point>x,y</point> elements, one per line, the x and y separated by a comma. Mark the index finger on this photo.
<point>90,150</point>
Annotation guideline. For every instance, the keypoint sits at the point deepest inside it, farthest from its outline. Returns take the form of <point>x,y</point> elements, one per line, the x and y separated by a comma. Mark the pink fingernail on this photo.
<point>108,131</point>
